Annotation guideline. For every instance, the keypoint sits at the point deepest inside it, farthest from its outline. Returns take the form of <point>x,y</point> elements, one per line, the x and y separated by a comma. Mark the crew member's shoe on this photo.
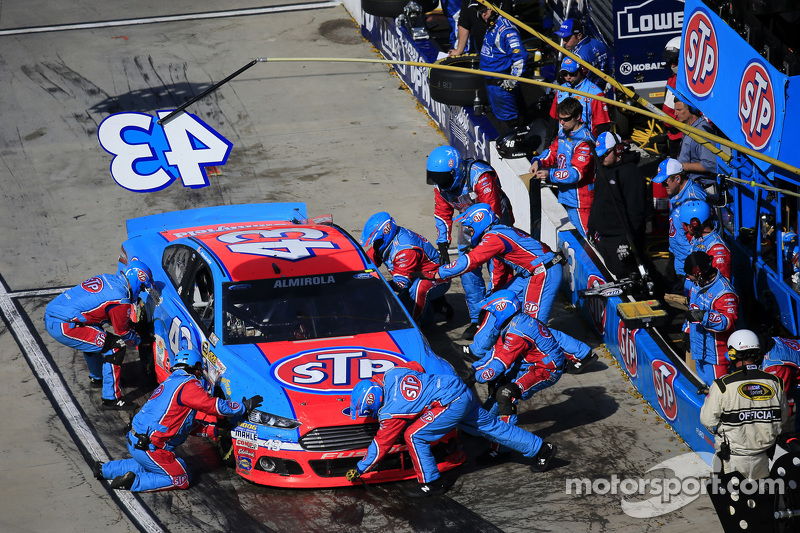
<point>118,405</point>
<point>577,367</point>
<point>97,470</point>
<point>542,458</point>
<point>124,482</point>
<point>95,383</point>
<point>432,488</point>
<point>470,332</point>
<point>493,457</point>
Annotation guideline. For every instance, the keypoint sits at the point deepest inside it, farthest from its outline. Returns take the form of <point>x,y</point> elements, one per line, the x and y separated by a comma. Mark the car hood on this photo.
<point>311,380</point>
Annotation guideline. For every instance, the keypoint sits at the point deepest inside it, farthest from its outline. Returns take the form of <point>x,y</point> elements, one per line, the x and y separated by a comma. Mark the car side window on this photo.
<point>201,296</point>
<point>175,262</point>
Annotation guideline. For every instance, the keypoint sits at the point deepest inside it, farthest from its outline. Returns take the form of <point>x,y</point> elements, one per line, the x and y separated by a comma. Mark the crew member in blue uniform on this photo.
<point>75,318</point>
<point>424,408</point>
<point>525,358</point>
<point>407,254</point>
<point>680,190</point>
<point>163,424</point>
<point>535,268</point>
<point>502,52</point>
<point>458,184</point>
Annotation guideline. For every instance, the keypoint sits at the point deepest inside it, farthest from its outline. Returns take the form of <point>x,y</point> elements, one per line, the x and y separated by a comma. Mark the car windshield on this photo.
<point>309,307</point>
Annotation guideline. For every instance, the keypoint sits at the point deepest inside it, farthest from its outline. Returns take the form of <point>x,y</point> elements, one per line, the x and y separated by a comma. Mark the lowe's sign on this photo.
<point>642,29</point>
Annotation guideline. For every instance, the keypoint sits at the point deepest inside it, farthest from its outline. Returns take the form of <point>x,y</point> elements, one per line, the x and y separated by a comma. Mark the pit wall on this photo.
<point>649,362</point>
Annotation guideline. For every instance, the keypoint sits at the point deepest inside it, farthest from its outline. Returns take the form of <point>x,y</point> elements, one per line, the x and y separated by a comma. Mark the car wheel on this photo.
<point>224,440</point>
<point>393,8</point>
<point>458,88</point>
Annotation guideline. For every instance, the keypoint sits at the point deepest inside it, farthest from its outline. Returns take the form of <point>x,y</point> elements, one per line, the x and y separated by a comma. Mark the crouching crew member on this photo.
<point>424,408</point>
<point>75,318</point>
<point>163,424</point>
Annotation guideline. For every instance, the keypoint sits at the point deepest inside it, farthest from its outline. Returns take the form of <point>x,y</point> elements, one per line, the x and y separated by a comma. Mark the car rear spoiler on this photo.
<point>267,212</point>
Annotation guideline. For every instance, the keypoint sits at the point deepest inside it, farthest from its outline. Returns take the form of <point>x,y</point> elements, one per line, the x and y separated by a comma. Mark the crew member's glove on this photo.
<point>470,380</point>
<point>352,475</point>
<point>508,85</point>
<point>695,315</point>
<point>444,254</point>
<point>116,357</point>
<point>251,403</point>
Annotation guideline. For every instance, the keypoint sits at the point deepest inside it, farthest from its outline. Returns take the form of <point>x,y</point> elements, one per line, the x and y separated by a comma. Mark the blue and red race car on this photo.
<point>290,310</point>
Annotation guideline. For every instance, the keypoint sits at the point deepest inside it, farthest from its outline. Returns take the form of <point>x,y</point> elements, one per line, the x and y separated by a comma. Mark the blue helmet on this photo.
<point>378,233</point>
<point>139,277</point>
<point>475,221</point>
<point>190,360</point>
<point>444,167</point>
<point>366,399</point>
<point>695,214</point>
<point>503,304</point>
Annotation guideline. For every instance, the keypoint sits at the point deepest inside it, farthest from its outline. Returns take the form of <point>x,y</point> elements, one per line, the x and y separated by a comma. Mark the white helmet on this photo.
<point>671,50</point>
<point>743,343</point>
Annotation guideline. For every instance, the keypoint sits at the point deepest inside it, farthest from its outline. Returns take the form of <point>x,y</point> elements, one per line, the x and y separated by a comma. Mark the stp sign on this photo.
<point>756,105</point>
<point>700,54</point>
<point>663,377</point>
<point>627,348</point>
<point>333,370</point>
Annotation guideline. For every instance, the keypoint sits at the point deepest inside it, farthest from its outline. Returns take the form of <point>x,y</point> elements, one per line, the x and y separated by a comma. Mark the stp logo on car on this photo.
<point>700,54</point>
<point>333,370</point>
<point>756,105</point>
<point>663,377</point>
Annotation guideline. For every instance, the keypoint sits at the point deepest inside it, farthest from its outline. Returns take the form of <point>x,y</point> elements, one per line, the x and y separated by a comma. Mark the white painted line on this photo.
<point>37,292</point>
<point>171,18</point>
<point>58,389</point>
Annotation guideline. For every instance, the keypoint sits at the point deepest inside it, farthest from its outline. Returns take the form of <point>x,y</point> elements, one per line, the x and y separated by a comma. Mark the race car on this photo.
<point>287,309</point>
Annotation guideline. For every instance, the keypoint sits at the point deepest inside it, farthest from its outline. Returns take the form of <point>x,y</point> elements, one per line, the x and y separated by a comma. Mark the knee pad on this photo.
<point>507,397</point>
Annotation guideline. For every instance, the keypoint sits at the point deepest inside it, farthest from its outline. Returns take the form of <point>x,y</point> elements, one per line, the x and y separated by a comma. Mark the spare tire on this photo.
<point>458,88</point>
<point>393,8</point>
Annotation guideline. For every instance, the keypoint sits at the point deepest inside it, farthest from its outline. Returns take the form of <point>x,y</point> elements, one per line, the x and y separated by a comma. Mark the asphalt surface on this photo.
<point>346,139</point>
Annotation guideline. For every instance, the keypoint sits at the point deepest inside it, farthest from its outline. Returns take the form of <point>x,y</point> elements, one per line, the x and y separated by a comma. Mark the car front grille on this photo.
<point>337,438</point>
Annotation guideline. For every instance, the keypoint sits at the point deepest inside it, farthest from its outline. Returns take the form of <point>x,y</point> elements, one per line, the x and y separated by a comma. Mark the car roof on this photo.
<point>257,250</point>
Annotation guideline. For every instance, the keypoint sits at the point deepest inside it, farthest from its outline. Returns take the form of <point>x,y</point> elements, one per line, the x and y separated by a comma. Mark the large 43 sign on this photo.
<point>149,156</point>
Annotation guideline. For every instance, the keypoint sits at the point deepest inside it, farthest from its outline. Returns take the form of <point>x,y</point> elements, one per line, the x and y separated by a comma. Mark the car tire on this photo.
<point>393,8</point>
<point>224,444</point>
<point>458,88</point>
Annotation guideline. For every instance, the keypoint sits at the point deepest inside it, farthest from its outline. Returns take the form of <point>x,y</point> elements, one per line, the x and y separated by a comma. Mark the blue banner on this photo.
<point>737,90</point>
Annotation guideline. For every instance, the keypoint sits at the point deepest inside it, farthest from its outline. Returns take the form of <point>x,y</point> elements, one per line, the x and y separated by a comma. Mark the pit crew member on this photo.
<point>75,318</point>
<point>537,270</point>
<point>497,311</point>
<point>699,225</point>
<point>425,407</point>
<point>502,52</point>
<point>782,359</point>
<point>163,424</point>
<point>569,164</point>
<point>526,358</point>
<point>405,254</point>
<point>680,190</point>
<point>458,184</point>
<point>711,317</point>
